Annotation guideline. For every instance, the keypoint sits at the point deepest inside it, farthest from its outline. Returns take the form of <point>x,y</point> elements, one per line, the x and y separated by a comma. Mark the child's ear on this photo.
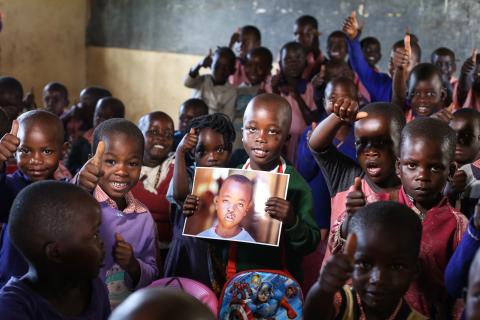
<point>397,166</point>
<point>52,252</point>
<point>215,200</point>
<point>443,94</point>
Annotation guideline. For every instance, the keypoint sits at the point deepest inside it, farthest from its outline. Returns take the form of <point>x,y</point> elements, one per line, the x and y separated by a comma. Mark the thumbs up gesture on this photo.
<point>123,256</point>
<point>9,143</point>
<point>188,142</point>
<point>356,197</point>
<point>350,26</point>
<point>338,269</point>
<point>91,172</point>
<point>207,61</point>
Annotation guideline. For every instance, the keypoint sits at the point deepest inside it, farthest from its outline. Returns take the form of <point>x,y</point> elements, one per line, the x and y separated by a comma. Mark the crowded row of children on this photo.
<point>383,173</point>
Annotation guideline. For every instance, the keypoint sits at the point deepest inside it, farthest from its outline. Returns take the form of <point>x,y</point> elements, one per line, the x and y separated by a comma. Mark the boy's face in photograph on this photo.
<point>233,203</point>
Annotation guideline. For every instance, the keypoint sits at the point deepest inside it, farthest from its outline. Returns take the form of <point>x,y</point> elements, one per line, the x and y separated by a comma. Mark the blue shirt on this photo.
<point>242,236</point>
<point>378,84</point>
<point>19,302</point>
<point>310,171</point>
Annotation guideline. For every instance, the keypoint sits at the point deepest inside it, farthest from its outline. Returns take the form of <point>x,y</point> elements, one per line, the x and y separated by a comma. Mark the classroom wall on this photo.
<point>144,80</point>
<point>43,41</point>
<point>161,39</point>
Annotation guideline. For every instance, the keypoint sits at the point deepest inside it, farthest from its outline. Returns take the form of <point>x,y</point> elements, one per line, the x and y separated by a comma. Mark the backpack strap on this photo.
<point>232,259</point>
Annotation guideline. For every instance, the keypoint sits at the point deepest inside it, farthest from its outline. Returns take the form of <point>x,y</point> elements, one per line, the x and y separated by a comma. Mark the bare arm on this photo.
<point>180,178</point>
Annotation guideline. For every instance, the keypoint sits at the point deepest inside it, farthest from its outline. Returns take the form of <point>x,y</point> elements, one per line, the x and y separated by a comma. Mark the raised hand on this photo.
<point>459,181</point>
<point>470,64</point>
<point>443,115</point>
<point>91,172</point>
<point>338,269</point>
<point>9,143</point>
<point>355,198</point>
<point>207,61</point>
<point>347,109</point>
<point>188,142</point>
<point>191,205</point>
<point>350,26</point>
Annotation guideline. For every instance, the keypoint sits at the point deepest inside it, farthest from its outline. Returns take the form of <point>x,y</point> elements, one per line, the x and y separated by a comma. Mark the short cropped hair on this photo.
<point>307,20</point>
<point>433,130</point>
<point>43,118</point>
<point>117,125</point>
<point>57,86</point>
<point>46,210</point>
<point>389,215</point>
<point>254,31</point>
<point>196,103</point>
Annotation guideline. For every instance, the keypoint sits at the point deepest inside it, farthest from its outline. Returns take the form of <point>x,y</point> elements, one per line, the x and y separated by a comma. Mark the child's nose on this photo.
<point>377,275</point>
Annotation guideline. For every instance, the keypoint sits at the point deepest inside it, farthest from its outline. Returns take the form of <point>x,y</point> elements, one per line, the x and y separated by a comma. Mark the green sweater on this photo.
<point>298,241</point>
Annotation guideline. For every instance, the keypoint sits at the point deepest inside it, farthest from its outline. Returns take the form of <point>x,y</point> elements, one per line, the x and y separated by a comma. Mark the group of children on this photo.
<point>384,172</point>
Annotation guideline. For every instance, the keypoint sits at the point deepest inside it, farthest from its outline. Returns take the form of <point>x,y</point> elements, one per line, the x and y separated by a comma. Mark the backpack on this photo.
<point>259,294</point>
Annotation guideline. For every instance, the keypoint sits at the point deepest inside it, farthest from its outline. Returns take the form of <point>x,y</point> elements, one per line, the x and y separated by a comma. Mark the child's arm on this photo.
<point>8,145</point>
<point>234,39</point>
<point>379,85</point>
<point>306,165</point>
<point>206,63</point>
<point>401,58</point>
<point>180,177</point>
<point>465,80</point>
<point>456,273</point>
<point>337,270</point>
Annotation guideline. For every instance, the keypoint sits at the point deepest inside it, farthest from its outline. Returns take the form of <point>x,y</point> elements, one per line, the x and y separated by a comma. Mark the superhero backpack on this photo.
<point>259,294</point>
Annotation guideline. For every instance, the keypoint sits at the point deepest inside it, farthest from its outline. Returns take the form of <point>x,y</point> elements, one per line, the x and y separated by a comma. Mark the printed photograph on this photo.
<point>231,205</point>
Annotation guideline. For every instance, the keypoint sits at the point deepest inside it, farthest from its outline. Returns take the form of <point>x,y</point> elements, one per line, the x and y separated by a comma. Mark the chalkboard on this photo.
<point>194,26</point>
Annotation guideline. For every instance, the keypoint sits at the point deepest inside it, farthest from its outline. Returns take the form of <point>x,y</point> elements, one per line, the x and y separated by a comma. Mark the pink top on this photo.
<point>313,65</point>
<point>239,76</point>
<point>298,123</point>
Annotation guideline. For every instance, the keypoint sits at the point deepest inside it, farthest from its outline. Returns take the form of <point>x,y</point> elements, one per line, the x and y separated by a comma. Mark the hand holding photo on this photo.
<point>231,205</point>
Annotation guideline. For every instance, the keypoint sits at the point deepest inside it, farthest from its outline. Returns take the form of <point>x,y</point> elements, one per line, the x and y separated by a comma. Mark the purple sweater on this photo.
<point>138,229</point>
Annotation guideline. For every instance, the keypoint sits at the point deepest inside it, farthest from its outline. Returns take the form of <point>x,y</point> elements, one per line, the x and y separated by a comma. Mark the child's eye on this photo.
<point>48,151</point>
<point>431,94</point>
<point>110,162</point>
<point>398,267</point>
<point>220,150</point>
<point>363,265</point>
<point>272,132</point>
<point>411,166</point>
<point>436,169</point>
<point>252,129</point>
<point>23,150</point>
<point>133,164</point>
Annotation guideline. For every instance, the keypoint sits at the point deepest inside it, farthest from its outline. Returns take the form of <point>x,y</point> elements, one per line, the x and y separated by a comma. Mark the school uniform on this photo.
<point>340,172</point>
<point>151,190</point>
<point>187,256</point>
<point>298,125</point>
<point>378,84</point>
<point>442,229</point>
<point>19,301</point>
<point>136,226</point>
<point>348,306</point>
<point>219,98</point>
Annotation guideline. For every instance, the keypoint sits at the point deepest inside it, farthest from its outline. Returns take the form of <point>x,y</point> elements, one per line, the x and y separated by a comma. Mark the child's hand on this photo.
<point>234,38</point>
<point>207,61</point>
<point>470,64</point>
<point>191,204</point>
<point>350,26</point>
<point>347,109</point>
<point>280,209</point>
<point>356,197</point>
<point>319,78</point>
<point>123,255</point>
<point>91,172</point>
<point>459,181</point>
<point>338,269</point>
<point>9,143</point>
<point>476,216</point>
<point>275,81</point>
<point>401,58</point>
<point>188,142</point>
<point>443,115</point>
